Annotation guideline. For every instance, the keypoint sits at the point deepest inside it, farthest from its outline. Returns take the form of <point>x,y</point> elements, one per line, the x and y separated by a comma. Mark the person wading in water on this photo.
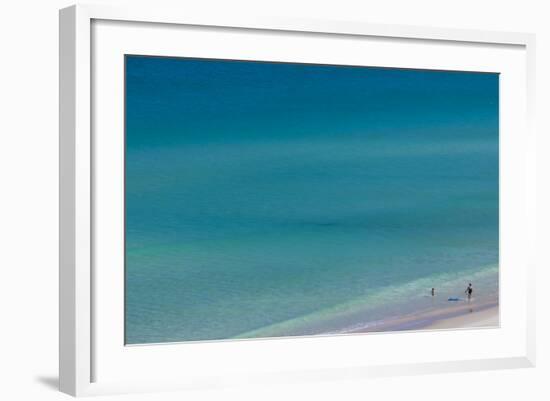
<point>469,291</point>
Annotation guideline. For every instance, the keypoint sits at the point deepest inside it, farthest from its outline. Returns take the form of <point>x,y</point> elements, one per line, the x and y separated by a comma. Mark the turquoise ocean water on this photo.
<point>270,199</point>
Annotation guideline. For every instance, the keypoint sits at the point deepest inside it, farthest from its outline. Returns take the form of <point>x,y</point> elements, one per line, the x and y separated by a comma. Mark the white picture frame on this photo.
<point>86,350</point>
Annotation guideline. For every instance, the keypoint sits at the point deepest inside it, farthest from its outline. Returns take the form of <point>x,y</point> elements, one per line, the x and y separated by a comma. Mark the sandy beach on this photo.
<point>462,315</point>
<point>488,317</point>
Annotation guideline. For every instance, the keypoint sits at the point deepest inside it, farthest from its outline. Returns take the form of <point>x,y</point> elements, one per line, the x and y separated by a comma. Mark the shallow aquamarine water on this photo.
<point>239,224</point>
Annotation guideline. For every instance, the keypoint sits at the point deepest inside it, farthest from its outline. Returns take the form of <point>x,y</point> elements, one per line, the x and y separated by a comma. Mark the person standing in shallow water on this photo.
<point>469,291</point>
<point>433,292</point>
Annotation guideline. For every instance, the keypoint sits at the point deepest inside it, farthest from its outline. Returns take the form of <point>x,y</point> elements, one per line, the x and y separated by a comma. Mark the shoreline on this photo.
<point>465,315</point>
<point>488,317</point>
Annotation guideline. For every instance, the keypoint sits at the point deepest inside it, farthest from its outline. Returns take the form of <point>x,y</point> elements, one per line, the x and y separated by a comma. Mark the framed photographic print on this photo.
<point>278,200</point>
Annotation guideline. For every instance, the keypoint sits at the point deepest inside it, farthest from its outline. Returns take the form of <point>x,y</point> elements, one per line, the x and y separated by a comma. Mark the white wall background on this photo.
<point>29,186</point>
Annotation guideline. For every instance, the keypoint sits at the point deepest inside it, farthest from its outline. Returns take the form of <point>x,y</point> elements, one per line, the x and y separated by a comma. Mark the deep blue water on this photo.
<point>283,199</point>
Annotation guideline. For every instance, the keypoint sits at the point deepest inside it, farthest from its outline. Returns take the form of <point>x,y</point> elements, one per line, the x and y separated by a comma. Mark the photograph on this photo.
<point>271,199</point>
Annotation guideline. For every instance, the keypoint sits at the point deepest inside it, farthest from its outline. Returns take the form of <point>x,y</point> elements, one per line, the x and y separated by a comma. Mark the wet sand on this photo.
<point>462,315</point>
<point>483,318</point>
